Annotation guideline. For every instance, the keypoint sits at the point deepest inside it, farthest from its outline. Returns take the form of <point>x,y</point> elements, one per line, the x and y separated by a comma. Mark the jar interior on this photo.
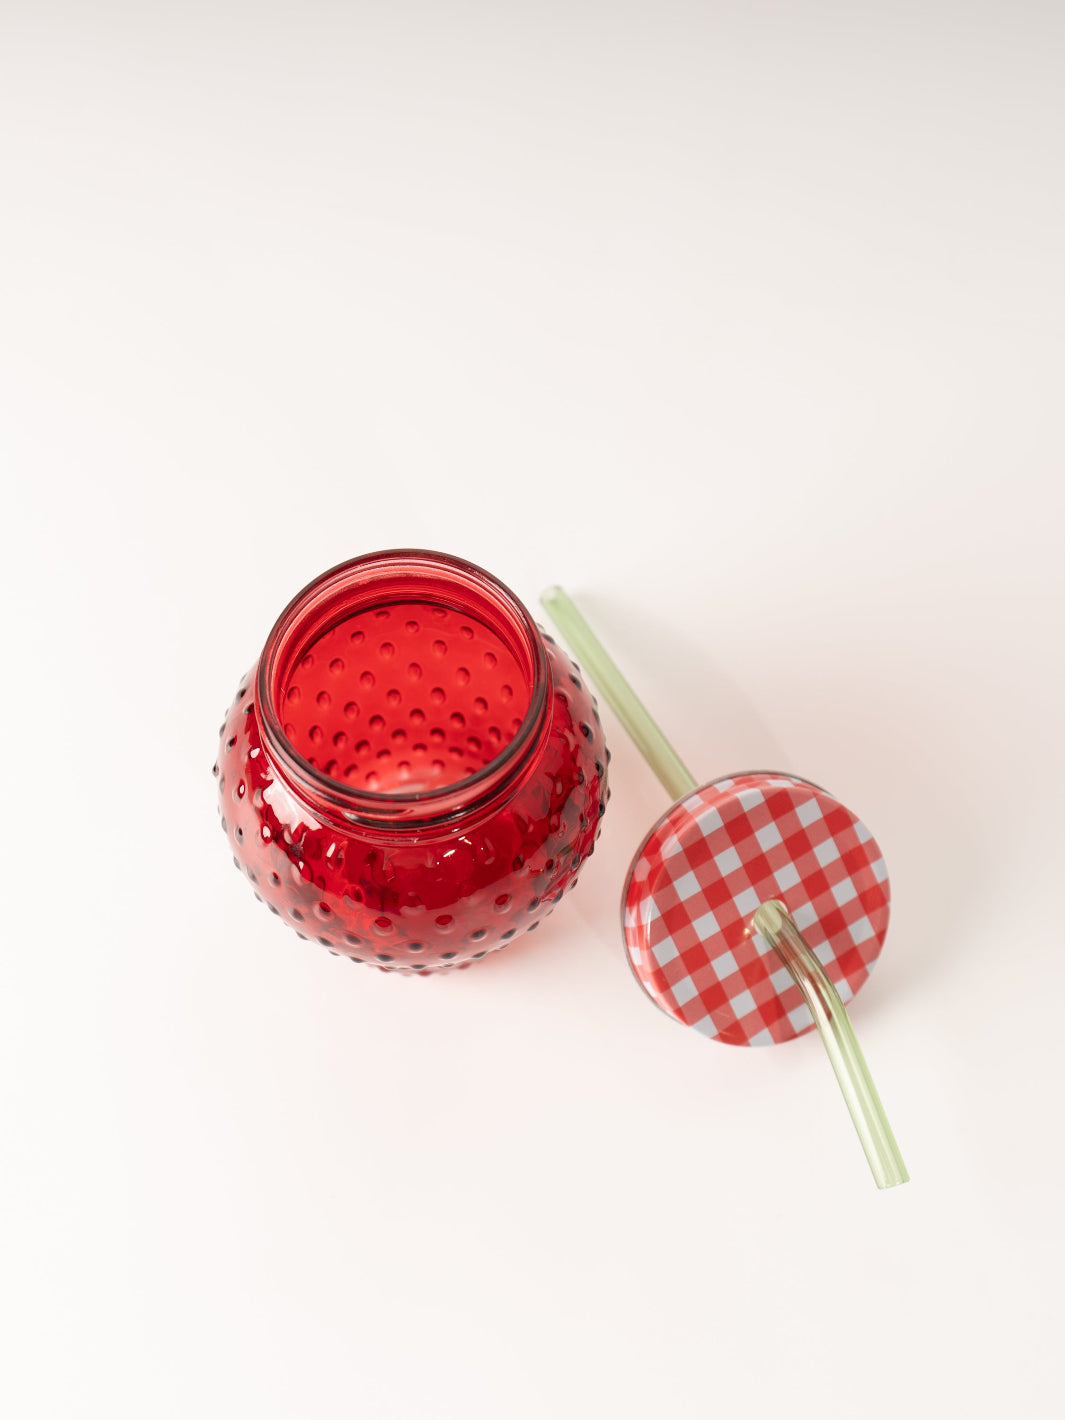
<point>403,698</point>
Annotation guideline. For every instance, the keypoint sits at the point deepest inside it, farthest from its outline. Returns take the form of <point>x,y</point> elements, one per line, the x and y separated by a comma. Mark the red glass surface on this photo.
<point>412,774</point>
<point>405,697</point>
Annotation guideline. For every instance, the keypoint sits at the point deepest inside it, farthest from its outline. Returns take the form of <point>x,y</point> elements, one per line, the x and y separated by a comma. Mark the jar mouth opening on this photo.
<point>403,688</point>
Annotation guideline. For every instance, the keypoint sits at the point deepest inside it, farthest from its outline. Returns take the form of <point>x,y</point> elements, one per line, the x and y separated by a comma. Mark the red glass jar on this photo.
<point>413,773</point>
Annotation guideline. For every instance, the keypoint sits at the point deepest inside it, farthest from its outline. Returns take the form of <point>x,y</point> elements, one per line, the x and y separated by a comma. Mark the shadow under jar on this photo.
<point>412,773</point>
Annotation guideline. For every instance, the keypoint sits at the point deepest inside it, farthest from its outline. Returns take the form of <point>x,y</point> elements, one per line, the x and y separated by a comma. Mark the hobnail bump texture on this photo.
<point>391,702</point>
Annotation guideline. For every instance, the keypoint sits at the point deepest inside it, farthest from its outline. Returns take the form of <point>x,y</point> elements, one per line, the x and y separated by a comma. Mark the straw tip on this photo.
<point>769,917</point>
<point>895,1179</point>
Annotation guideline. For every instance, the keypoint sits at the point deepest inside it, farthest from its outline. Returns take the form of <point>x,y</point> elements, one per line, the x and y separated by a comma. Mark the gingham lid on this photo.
<point>703,871</point>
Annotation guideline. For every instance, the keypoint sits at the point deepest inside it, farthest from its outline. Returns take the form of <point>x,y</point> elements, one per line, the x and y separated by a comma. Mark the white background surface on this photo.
<point>745,322</point>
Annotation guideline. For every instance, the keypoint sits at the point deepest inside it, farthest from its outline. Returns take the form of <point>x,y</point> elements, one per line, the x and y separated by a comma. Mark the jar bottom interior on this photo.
<point>402,698</point>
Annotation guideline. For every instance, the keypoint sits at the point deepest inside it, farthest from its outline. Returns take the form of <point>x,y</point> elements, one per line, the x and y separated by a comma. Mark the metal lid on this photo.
<point>705,868</point>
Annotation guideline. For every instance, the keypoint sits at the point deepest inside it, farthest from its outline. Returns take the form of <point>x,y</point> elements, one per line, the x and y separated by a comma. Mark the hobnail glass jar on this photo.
<point>412,773</point>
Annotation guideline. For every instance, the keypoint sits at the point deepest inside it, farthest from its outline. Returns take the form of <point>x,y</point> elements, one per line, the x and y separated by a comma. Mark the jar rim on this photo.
<point>374,580</point>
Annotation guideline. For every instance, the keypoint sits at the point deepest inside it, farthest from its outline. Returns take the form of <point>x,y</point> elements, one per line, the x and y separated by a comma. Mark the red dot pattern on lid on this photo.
<point>701,873</point>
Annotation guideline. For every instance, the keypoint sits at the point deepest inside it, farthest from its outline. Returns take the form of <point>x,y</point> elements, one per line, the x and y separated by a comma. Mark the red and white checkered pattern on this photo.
<point>707,865</point>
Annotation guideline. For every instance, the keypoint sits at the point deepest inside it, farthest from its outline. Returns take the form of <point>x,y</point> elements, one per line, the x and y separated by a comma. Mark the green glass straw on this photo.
<point>771,919</point>
<point>619,694</point>
<point>775,923</point>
